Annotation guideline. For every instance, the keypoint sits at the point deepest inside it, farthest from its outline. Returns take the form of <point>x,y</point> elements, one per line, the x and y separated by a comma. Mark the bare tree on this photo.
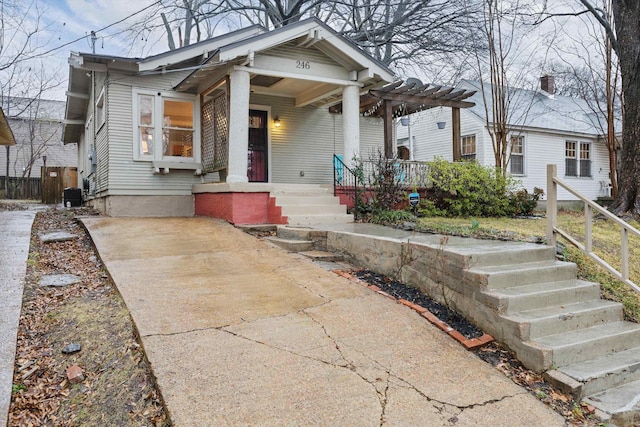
<point>589,70</point>
<point>406,34</point>
<point>624,37</point>
<point>505,64</point>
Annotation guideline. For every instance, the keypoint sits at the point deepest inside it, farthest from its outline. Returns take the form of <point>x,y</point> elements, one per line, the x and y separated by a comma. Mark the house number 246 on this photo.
<point>305,65</point>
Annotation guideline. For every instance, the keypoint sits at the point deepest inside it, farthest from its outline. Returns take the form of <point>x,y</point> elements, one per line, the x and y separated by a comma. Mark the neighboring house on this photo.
<point>544,128</point>
<point>214,126</point>
<point>37,127</point>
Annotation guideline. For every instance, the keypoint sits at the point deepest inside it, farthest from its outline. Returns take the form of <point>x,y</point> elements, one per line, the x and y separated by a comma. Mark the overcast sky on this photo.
<point>69,22</point>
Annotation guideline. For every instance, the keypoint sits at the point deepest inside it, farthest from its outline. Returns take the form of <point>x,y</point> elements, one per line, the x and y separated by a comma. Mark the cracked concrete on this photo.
<point>241,333</point>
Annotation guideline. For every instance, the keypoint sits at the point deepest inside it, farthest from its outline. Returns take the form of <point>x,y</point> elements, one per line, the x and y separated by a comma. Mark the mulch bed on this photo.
<point>401,291</point>
<point>576,413</point>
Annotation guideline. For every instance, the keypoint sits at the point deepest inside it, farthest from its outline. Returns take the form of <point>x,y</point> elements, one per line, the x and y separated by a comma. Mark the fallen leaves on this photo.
<point>116,386</point>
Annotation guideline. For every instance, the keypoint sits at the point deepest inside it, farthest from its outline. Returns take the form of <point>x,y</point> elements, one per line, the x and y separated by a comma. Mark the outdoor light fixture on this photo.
<point>276,122</point>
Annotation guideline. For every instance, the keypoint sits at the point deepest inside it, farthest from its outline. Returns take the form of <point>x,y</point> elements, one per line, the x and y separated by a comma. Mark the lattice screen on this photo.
<point>215,143</point>
<point>222,132</point>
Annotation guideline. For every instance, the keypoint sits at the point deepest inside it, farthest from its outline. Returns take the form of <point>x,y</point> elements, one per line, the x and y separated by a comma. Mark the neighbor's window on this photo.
<point>166,126</point>
<point>468,147</point>
<point>517,155</point>
<point>577,159</point>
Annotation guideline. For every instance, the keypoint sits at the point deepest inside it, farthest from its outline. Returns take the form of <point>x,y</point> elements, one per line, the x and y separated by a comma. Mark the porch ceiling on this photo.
<point>408,98</point>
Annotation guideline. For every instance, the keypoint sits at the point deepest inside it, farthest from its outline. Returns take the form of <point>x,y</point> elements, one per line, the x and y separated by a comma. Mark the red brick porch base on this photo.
<point>239,208</point>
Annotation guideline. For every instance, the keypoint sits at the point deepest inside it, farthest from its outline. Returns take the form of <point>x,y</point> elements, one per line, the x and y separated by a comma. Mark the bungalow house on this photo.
<point>223,126</point>
<point>544,128</point>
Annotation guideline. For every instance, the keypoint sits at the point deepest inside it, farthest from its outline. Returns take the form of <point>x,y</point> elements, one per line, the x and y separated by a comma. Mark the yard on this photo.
<point>606,242</point>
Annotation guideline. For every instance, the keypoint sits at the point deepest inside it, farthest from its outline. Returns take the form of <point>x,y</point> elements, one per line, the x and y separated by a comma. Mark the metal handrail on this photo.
<point>347,180</point>
<point>589,206</point>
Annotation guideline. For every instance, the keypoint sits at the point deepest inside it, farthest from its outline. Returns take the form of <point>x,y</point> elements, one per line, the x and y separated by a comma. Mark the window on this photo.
<point>577,159</point>
<point>468,147</point>
<point>517,155</point>
<point>165,127</point>
<point>100,116</point>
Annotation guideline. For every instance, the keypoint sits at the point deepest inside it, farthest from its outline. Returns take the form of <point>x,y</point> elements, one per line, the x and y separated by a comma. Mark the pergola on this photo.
<point>401,98</point>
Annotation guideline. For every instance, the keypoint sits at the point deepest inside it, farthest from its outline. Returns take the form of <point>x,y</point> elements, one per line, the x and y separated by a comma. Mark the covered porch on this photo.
<point>265,123</point>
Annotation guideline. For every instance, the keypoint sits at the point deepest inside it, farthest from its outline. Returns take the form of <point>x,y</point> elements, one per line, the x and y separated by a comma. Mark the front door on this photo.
<point>258,147</point>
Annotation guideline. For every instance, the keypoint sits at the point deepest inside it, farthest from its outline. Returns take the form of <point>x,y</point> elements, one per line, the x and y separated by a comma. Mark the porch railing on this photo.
<point>589,207</point>
<point>407,172</point>
<point>346,182</point>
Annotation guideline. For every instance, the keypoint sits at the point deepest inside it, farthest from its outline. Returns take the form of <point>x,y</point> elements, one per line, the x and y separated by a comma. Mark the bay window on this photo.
<point>165,127</point>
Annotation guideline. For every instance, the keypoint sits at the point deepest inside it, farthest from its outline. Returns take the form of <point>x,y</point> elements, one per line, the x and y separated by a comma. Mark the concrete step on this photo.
<point>584,344</point>
<point>288,210</point>
<point>565,318</point>
<point>320,199</point>
<point>538,295</point>
<point>514,255</point>
<point>322,256</point>
<point>619,406</point>
<point>505,276</point>
<point>300,192</point>
<point>319,219</point>
<point>605,372</point>
<point>292,245</point>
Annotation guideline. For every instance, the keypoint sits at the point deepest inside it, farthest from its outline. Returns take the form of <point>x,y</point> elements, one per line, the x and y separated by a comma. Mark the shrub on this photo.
<point>392,216</point>
<point>469,189</point>
<point>522,202</point>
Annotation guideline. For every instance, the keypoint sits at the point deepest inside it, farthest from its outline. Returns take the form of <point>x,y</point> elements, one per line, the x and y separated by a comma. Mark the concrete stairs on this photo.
<point>309,204</point>
<point>308,243</point>
<point>555,323</point>
<point>558,324</point>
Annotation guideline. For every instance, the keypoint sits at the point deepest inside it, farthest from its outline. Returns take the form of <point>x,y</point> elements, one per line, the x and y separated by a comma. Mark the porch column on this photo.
<point>238,126</point>
<point>351,123</point>
<point>455,134</point>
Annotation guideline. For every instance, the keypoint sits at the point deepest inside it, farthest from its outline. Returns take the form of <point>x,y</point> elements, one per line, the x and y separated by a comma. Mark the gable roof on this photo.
<point>310,32</point>
<point>540,110</point>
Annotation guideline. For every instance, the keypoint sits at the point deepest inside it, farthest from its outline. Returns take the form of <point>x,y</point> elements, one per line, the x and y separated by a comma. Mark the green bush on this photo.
<point>392,216</point>
<point>469,189</point>
<point>523,202</point>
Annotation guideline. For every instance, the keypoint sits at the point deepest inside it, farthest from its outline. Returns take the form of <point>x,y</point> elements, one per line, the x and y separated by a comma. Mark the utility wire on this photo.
<point>89,35</point>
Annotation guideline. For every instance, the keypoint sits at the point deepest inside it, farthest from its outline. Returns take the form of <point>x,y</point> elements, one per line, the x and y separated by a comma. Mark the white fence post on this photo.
<point>552,204</point>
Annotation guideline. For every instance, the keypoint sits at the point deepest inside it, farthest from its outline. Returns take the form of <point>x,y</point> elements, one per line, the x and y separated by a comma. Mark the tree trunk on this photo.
<point>6,178</point>
<point>627,19</point>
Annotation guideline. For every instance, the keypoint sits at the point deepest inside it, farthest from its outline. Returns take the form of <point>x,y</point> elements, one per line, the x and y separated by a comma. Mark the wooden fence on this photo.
<point>21,188</point>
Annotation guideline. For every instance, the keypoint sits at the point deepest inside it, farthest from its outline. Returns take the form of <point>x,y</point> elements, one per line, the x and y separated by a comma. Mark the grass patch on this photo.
<point>606,244</point>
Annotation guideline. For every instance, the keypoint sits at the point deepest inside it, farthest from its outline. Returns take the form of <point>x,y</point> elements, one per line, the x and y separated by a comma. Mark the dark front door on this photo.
<point>258,147</point>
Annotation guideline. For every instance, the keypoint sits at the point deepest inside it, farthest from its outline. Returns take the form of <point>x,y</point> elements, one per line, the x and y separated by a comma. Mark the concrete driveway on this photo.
<point>241,333</point>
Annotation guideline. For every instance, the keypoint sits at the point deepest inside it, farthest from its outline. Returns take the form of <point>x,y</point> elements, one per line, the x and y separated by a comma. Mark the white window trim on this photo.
<point>577,158</point>
<point>157,155</point>
<point>475,153</point>
<point>101,104</point>
<point>524,154</point>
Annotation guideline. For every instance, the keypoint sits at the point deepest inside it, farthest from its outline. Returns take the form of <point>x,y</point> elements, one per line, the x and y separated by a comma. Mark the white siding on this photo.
<point>541,148</point>
<point>127,177</point>
<point>307,139</point>
<point>431,142</point>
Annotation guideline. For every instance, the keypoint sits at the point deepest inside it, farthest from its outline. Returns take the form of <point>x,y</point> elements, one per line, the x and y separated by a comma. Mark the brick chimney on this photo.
<point>546,84</point>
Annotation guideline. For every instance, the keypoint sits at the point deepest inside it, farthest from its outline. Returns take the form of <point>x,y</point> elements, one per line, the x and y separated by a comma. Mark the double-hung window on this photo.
<point>516,163</point>
<point>577,159</point>
<point>468,147</point>
<point>165,127</point>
